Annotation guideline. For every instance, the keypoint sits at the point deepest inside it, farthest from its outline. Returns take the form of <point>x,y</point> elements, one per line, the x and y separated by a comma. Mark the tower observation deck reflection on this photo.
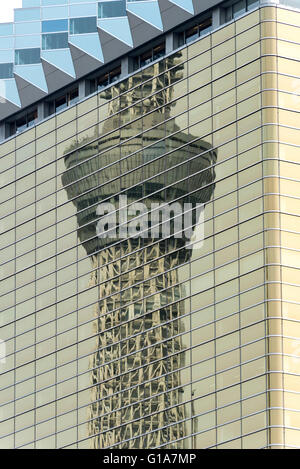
<point>137,395</point>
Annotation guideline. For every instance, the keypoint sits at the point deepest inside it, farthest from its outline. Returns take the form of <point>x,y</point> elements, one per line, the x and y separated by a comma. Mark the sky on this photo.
<point>7,9</point>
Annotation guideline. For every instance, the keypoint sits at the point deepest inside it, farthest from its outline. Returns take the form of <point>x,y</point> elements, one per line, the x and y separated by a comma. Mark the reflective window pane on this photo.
<point>27,56</point>
<point>53,26</point>
<point>6,70</point>
<point>112,9</point>
<point>55,41</point>
<point>83,25</point>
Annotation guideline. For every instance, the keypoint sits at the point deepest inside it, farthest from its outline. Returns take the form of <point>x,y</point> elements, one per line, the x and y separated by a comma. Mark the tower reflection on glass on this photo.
<point>137,395</point>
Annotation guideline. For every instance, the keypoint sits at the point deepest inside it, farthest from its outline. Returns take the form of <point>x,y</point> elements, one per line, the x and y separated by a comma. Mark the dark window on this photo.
<point>240,7</point>
<point>6,70</point>
<point>112,9</point>
<point>105,80</point>
<point>159,51</point>
<point>149,56</point>
<point>83,25</point>
<point>115,75</point>
<point>32,118</point>
<point>73,96</point>
<point>205,27</point>
<point>146,58</point>
<point>23,123</point>
<point>228,14</point>
<point>63,101</point>
<point>55,41</point>
<point>252,4</point>
<point>192,33</point>
<point>27,56</point>
<point>54,26</point>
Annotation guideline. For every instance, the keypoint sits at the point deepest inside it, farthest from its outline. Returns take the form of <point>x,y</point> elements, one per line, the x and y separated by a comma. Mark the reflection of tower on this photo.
<point>137,391</point>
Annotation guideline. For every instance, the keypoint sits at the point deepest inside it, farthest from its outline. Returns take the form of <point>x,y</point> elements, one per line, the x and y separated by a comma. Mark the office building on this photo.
<point>150,225</point>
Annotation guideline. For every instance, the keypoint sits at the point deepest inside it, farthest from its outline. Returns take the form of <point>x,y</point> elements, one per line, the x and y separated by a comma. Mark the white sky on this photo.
<point>7,9</point>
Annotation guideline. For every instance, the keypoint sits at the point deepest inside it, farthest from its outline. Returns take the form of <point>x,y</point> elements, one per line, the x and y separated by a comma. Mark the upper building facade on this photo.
<point>149,217</point>
<point>54,42</point>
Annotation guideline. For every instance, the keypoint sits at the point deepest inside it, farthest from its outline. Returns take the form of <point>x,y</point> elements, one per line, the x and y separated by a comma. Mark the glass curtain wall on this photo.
<point>159,341</point>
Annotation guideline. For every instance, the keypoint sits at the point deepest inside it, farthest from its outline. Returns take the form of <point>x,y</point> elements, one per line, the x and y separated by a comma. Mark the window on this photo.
<point>105,80</point>
<point>159,51</point>
<point>252,4</point>
<point>195,31</point>
<point>55,41</point>
<point>240,7</point>
<point>6,70</point>
<point>27,56</point>
<point>54,2</point>
<point>27,14</point>
<point>149,56</point>
<point>54,26</point>
<point>112,9</point>
<point>63,101</point>
<point>67,100</point>
<point>83,25</point>
<point>22,123</point>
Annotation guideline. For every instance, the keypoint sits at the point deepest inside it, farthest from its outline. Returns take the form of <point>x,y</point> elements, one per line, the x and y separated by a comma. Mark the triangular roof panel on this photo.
<point>185,5</point>
<point>9,91</point>
<point>118,28</point>
<point>61,59</point>
<point>88,43</point>
<point>34,74</point>
<point>147,11</point>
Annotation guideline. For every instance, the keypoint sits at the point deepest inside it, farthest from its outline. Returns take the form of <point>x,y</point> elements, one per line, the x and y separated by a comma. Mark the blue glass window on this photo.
<point>6,42</point>
<point>54,2</point>
<point>32,27</point>
<point>54,26</point>
<point>112,9</point>
<point>55,41</point>
<point>83,25</point>
<point>6,29</point>
<point>27,15</point>
<point>32,41</point>
<point>81,11</point>
<point>53,13</point>
<point>27,56</point>
<point>6,71</point>
<point>6,56</point>
<point>30,3</point>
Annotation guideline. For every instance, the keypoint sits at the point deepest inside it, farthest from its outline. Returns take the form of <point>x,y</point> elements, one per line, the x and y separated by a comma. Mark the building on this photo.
<point>117,332</point>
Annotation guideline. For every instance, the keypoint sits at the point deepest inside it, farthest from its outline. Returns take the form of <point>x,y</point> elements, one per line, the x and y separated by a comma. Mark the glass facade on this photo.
<point>55,41</point>
<point>83,25</point>
<point>27,56</point>
<point>6,70</point>
<point>54,26</point>
<point>159,341</point>
<point>112,9</point>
